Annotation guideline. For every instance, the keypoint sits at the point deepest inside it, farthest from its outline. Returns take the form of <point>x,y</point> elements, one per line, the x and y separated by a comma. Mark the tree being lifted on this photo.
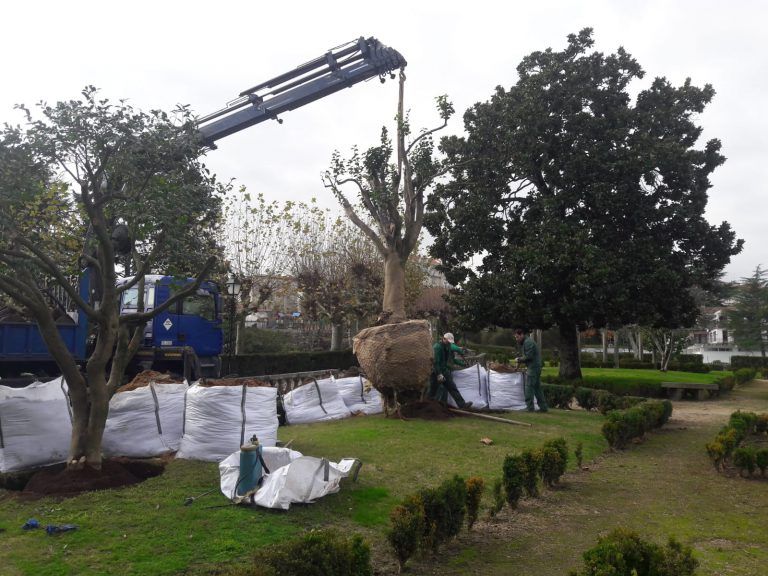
<point>137,188</point>
<point>587,210</point>
<point>396,357</point>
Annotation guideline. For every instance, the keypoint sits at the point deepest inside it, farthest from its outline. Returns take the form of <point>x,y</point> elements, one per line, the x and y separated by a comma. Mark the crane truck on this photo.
<point>193,327</point>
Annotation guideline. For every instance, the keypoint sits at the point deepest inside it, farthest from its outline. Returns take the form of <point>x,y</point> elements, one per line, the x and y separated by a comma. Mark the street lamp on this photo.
<point>233,291</point>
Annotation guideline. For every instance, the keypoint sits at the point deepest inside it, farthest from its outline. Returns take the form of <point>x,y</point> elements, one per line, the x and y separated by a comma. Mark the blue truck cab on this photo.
<point>194,322</point>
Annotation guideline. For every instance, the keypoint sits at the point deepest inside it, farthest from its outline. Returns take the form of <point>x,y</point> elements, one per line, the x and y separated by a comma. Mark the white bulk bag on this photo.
<point>35,425</point>
<point>302,479</point>
<point>472,383</point>
<point>317,401</point>
<point>219,419</point>
<point>506,391</point>
<point>146,421</point>
<point>359,395</point>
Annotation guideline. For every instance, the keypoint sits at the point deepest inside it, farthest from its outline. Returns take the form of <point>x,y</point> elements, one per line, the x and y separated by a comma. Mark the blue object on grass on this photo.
<point>54,529</point>
<point>31,524</point>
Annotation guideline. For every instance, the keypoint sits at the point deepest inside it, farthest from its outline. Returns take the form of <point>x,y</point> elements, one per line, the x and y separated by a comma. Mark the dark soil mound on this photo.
<point>58,481</point>
<point>426,410</point>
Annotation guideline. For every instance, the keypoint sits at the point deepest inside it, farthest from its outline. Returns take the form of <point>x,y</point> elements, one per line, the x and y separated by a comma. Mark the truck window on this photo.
<point>199,305</point>
<point>131,298</point>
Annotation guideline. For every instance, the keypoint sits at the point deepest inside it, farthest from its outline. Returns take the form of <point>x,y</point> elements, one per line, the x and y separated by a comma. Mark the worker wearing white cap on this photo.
<point>443,362</point>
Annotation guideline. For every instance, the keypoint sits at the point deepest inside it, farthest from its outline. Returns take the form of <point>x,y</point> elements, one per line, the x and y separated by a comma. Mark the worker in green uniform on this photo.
<point>532,359</point>
<point>441,379</point>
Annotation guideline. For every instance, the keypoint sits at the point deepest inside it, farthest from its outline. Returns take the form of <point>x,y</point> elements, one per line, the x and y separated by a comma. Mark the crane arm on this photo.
<point>339,68</point>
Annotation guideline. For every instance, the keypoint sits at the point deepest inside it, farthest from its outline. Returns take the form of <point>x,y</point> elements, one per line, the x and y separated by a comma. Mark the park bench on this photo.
<point>700,390</point>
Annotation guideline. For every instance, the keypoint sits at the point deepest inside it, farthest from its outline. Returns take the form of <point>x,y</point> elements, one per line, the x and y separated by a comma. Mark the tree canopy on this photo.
<point>584,206</point>
<point>748,320</point>
<point>390,182</point>
<point>89,183</point>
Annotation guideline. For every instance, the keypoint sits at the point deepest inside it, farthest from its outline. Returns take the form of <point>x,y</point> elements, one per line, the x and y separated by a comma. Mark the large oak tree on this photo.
<point>585,205</point>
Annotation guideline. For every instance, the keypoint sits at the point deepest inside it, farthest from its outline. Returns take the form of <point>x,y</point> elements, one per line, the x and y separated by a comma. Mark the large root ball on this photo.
<point>396,358</point>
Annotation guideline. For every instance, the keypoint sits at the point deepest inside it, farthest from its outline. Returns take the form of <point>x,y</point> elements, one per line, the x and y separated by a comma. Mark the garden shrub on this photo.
<point>407,529</point>
<point>558,395</point>
<point>444,510</point>
<point>498,498</point>
<point>586,398</point>
<point>743,375</point>
<point>561,445</point>
<point>761,424</point>
<point>744,460</point>
<point>531,471</point>
<point>475,487</point>
<point>623,552</point>
<point>624,425</point>
<point>726,444</point>
<point>761,460</point>
<point>513,479</point>
<point>578,452</point>
<point>746,362</point>
<point>725,383</point>
<point>551,465</point>
<point>318,553</point>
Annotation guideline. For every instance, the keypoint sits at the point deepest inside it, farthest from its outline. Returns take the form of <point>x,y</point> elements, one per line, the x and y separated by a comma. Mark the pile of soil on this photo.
<point>144,378</point>
<point>59,481</point>
<point>250,382</point>
<point>504,368</point>
<point>426,410</point>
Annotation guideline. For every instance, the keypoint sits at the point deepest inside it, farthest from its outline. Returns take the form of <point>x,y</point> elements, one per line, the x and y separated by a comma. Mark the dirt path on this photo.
<point>664,486</point>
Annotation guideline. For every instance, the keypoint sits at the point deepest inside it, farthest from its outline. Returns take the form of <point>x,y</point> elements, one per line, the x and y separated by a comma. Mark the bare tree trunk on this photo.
<point>615,348</point>
<point>604,333</point>
<point>336,336</point>
<point>394,288</point>
<point>570,363</point>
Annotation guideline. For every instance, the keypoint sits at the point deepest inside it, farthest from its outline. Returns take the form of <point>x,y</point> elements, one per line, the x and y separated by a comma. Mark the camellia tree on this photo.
<point>583,205</point>
<point>82,184</point>
<point>390,181</point>
<point>392,192</point>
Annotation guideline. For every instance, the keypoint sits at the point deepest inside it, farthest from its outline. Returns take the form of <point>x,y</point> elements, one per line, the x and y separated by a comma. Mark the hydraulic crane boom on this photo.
<point>339,68</point>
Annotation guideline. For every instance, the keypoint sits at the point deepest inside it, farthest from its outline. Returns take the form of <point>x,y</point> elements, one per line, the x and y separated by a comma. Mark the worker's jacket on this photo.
<point>444,358</point>
<point>531,355</point>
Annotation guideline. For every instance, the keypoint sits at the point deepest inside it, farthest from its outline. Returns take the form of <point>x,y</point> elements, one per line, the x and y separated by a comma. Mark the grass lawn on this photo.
<point>145,529</point>
<point>665,486</point>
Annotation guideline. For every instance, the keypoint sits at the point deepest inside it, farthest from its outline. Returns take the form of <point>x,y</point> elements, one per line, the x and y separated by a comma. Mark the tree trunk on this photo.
<point>336,336</point>
<point>393,306</point>
<point>570,363</point>
<point>604,333</point>
<point>615,348</point>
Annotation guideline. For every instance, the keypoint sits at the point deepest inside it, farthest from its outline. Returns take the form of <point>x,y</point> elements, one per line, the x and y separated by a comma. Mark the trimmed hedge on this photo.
<point>321,552</point>
<point>286,362</point>
<point>727,444</point>
<point>558,395</point>
<point>623,426</point>
<point>624,552</point>
<point>747,362</point>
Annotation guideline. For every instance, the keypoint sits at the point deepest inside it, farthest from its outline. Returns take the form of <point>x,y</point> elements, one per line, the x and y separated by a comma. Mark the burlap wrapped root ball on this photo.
<point>396,358</point>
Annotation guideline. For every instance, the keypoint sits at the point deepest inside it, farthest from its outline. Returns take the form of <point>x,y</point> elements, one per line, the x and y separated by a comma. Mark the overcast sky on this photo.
<point>165,52</point>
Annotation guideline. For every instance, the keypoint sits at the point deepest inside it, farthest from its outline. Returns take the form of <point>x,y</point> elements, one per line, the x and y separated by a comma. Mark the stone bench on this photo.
<point>700,390</point>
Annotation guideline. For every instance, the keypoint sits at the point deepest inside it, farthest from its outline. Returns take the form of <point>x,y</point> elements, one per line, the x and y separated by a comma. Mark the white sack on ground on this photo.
<point>35,425</point>
<point>317,401</point>
<point>472,383</point>
<point>146,421</point>
<point>506,391</point>
<point>302,479</point>
<point>218,419</point>
<point>359,395</point>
